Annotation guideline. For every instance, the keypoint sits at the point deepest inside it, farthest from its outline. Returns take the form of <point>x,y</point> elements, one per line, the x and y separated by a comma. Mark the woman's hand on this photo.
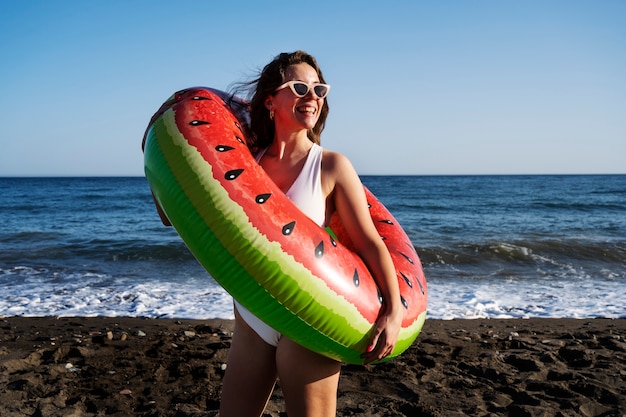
<point>384,336</point>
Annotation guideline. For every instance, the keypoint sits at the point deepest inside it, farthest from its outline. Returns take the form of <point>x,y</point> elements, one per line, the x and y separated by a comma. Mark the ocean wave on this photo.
<point>49,249</point>
<point>582,207</point>
<point>525,251</point>
<point>34,236</point>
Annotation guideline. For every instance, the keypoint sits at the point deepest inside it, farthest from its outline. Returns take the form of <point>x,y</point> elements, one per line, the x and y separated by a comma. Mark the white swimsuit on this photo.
<point>306,193</point>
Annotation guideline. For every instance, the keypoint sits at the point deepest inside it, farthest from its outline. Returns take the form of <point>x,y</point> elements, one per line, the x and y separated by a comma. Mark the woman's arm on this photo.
<point>350,203</point>
<point>164,219</point>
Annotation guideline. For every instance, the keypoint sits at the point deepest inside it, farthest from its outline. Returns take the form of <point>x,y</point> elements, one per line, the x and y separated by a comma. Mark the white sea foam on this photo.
<point>40,294</point>
<point>526,299</point>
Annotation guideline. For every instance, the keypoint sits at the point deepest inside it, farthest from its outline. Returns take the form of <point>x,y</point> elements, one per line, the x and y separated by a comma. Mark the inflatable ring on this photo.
<point>296,276</point>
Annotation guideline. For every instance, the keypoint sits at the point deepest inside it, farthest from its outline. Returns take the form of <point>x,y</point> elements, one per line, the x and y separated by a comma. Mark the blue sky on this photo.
<point>418,87</point>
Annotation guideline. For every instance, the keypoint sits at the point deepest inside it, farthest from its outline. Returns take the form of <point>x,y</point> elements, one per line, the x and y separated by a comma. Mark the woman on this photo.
<point>288,111</point>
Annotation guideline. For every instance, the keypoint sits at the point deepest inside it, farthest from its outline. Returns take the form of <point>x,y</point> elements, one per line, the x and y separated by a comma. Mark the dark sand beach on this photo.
<point>165,367</point>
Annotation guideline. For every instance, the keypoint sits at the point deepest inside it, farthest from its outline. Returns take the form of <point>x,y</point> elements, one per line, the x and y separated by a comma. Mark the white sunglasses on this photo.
<point>301,89</point>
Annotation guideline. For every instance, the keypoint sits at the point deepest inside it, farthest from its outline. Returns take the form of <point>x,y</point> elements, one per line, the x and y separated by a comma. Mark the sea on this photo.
<point>491,247</point>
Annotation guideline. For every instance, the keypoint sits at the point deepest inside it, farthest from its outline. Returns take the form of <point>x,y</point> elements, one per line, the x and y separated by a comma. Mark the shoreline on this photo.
<point>128,366</point>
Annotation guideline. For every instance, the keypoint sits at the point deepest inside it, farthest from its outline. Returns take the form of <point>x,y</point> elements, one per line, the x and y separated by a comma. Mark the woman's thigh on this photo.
<point>250,373</point>
<point>308,380</point>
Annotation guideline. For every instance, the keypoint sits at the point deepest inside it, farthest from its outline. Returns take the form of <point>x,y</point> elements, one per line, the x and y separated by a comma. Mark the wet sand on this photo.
<point>165,367</point>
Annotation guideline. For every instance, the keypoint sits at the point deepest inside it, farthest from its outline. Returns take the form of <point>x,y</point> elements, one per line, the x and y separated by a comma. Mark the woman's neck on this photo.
<point>290,146</point>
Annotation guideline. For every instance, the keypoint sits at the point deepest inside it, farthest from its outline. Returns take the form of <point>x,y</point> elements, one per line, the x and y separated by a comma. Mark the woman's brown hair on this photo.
<point>262,130</point>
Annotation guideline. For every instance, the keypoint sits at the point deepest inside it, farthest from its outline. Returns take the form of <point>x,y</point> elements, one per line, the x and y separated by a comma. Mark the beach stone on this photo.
<point>559,376</point>
<point>613,342</point>
<point>591,389</point>
<point>576,357</point>
<point>523,364</point>
<point>517,410</point>
<point>60,399</point>
<point>593,409</point>
<point>549,388</point>
<point>548,357</point>
<point>140,333</point>
<point>552,342</point>
<point>498,400</point>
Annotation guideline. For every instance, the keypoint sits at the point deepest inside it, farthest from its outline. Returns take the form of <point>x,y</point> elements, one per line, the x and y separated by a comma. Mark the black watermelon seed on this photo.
<point>224,148</point>
<point>262,198</point>
<point>421,286</point>
<point>386,221</point>
<point>407,280</point>
<point>356,279</point>
<point>233,174</point>
<point>240,140</point>
<point>407,258</point>
<point>333,242</point>
<point>199,122</point>
<point>288,228</point>
<point>380,296</point>
<point>202,98</point>
<point>319,250</point>
<point>404,303</point>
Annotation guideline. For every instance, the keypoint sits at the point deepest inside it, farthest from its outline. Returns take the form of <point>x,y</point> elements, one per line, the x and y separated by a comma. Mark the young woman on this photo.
<point>288,112</point>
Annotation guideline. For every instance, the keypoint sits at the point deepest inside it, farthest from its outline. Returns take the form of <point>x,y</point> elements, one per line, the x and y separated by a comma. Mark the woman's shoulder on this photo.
<point>337,166</point>
<point>334,159</point>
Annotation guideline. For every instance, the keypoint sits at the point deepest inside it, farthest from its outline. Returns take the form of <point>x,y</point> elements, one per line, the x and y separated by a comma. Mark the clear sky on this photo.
<point>418,87</point>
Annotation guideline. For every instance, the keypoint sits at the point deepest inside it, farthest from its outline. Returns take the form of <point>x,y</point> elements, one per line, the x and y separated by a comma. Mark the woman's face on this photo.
<point>291,111</point>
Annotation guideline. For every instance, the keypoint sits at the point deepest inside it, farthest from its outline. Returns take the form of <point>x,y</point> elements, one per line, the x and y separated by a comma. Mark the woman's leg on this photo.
<point>250,373</point>
<point>309,381</point>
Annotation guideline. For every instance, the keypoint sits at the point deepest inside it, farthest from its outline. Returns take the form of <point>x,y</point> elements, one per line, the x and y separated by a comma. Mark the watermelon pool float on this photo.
<point>301,279</point>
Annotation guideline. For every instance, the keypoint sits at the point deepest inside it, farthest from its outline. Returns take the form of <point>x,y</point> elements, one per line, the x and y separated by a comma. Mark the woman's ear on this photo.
<point>268,103</point>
